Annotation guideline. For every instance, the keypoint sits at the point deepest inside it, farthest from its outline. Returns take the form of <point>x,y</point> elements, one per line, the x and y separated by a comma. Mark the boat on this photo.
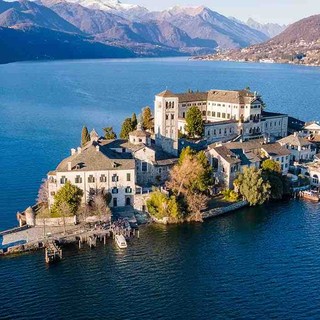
<point>121,241</point>
<point>310,195</point>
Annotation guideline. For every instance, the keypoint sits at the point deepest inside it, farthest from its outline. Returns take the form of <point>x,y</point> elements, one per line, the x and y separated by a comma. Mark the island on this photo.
<point>196,156</point>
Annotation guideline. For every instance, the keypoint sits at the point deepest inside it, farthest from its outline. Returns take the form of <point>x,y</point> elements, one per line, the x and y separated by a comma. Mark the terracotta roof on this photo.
<point>166,94</point>
<point>295,140</point>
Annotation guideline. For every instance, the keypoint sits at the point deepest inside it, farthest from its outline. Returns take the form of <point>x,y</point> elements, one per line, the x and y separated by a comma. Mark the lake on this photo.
<point>256,263</point>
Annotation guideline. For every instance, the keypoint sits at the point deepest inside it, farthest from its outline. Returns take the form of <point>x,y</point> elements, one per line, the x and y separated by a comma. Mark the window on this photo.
<point>144,166</point>
<point>103,178</point>
<point>52,193</point>
<point>114,190</point>
<point>172,116</point>
<point>223,115</point>
<point>128,190</point>
<point>63,180</point>
<point>315,179</point>
<point>115,178</point>
<point>128,176</point>
<point>203,112</point>
<point>91,179</point>
<point>167,116</point>
<point>78,179</point>
<point>183,114</point>
<point>218,114</point>
<point>213,113</point>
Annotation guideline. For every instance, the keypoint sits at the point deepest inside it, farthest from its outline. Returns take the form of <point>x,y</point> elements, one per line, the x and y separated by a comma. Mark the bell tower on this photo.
<point>166,121</point>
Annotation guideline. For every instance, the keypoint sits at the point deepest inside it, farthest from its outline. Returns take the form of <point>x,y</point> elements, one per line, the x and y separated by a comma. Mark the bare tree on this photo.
<point>183,175</point>
<point>43,213</point>
<point>100,204</point>
<point>64,211</point>
<point>196,203</point>
<point>43,193</point>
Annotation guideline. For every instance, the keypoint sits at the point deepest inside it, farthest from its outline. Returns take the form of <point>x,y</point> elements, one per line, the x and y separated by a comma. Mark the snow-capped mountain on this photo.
<point>112,6</point>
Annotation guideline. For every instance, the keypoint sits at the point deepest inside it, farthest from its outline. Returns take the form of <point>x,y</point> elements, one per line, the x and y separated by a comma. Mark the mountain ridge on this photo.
<point>299,44</point>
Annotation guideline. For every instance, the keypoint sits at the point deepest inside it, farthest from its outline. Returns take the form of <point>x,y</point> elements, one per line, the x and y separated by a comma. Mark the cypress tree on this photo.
<point>147,118</point>
<point>85,136</point>
<point>134,121</point>
<point>126,128</point>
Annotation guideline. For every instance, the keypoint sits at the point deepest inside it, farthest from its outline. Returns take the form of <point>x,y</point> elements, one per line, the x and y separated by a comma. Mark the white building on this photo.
<point>152,164</point>
<point>226,114</point>
<point>301,149</point>
<point>228,159</point>
<point>95,168</point>
<point>312,171</point>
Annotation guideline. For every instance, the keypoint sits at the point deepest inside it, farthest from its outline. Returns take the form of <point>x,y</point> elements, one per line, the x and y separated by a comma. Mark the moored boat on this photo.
<point>121,241</point>
<point>310,195</point>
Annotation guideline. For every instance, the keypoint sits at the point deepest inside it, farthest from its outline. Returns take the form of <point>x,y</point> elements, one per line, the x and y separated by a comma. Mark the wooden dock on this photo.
<point>53,252</point>
<point>33,238</point>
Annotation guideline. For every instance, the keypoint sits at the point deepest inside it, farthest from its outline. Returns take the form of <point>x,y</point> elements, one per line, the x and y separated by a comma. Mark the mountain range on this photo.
<point>299,44</point>
<point>108,28</point>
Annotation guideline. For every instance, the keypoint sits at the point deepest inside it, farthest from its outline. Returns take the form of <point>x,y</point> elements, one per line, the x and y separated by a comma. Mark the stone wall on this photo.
<point>222,210</point>
<point>56,221</point>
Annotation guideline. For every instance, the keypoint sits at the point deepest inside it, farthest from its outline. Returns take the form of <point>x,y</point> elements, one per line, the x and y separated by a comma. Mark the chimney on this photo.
<point>79,149</point>
<point>73,151</point>
<point>295,134</point>
<point>97,148</point>
<point>69,166</point>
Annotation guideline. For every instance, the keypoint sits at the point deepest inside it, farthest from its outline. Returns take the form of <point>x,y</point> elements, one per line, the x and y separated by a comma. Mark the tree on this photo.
<point>85,136</point>
<point>65,211</point>
<point>126,128</point>
<point>272,172</point>
<point>69,194</point>
<point>271,165</point>
<point>196,203</point>
<point>43,193</point>
<point>100,206</point>
<point>205,179</point>
<point>160,206</point>
<point>109,133</point>
<point>134,121</point>
<point>190,180</point>
<point>252,185</point>
<point>147,119</point>
<point>230,195</point>
<point>194,122</point>
<point>43,213</point>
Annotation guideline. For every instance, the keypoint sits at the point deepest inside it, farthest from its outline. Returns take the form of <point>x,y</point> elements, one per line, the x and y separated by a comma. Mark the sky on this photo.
<point>278,11</point>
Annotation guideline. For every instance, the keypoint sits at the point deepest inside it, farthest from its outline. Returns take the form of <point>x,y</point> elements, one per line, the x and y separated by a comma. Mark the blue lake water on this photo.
<point>257,263</point>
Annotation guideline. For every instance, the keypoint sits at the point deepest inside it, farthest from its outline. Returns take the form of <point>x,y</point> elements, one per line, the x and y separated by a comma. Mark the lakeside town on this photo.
<point>196,155</point>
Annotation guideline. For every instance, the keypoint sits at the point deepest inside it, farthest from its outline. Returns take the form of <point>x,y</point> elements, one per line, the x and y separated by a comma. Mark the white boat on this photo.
<point>121,241</point>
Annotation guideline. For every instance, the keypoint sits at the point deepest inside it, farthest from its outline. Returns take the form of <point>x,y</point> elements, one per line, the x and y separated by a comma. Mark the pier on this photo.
<point>24,239</point>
